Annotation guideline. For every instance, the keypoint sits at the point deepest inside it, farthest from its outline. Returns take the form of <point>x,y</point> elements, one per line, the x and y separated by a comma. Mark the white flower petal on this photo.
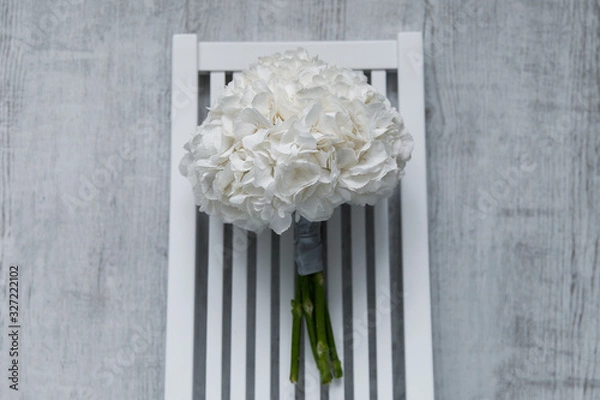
<point>293,134</point>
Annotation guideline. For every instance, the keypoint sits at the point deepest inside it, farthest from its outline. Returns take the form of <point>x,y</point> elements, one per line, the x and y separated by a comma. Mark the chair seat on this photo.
<point>228,313</point>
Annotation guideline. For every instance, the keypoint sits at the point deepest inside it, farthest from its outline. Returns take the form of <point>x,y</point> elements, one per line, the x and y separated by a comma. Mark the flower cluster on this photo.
<point>294,134</point>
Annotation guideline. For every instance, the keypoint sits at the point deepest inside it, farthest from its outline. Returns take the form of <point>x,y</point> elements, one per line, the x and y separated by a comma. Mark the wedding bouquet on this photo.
<point>289,140</point>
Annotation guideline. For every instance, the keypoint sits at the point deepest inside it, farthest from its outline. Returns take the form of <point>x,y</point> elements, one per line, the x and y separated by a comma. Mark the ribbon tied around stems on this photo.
<point>308,249</point>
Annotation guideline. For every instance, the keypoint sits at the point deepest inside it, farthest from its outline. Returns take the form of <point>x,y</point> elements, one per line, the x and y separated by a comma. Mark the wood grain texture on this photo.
<point>513,129</point>
<point>513,97</point>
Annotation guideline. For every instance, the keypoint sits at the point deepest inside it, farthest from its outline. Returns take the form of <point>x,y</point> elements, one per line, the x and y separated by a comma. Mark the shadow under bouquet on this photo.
<point>288,141</point>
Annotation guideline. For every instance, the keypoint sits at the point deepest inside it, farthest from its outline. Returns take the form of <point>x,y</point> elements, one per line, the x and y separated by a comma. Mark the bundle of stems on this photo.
<point>310,305</point>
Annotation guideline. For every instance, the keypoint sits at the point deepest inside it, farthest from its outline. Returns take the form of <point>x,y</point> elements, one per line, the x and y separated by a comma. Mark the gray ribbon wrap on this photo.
<point>308,249</point>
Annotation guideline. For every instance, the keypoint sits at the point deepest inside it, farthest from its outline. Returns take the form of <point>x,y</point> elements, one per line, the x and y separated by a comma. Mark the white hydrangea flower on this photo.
<point>294,134</point>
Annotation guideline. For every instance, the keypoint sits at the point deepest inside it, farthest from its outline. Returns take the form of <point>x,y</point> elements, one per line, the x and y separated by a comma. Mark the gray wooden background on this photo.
<point>513,130</point>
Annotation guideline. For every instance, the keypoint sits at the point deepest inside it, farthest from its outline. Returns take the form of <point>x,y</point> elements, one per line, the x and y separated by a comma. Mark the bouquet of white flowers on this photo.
<point>294,136</point>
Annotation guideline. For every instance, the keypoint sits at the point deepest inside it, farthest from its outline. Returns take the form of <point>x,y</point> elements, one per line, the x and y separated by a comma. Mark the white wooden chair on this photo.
<point>235,344</point>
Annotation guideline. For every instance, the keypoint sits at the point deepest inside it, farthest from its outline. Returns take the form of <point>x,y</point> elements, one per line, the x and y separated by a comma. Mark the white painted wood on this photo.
<point>214,312</point>
<point>360,331</point>
<point>385,380</point>
<point>182,234</point>
<point>239,300</point>
<point>334,294</point>
<point>231,56</point>
<point>415,244</point>
<point>360,324</point>
<point>286,293</point>
<point>262,366</point>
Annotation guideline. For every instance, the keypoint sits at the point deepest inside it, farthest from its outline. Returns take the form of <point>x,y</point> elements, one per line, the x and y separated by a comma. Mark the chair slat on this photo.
<point>182,228</point>
<point>214,312</point>
<point>262,369</point>
<point>286,292</point>
<point>334,293</point>
<point>383,307</point>
<point>360,308</point>
<point>231,56</point>
<point>415,245</point>
<point>239,301</point>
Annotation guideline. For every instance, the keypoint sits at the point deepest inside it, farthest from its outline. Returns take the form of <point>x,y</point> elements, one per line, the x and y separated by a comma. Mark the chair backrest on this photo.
<point>228,313</point>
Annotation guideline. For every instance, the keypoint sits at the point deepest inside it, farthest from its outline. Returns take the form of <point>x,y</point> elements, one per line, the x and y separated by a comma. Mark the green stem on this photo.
<point>308,308</point>
<point>296,327</point>
<point>335,361</point>
<point>323,361</point>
